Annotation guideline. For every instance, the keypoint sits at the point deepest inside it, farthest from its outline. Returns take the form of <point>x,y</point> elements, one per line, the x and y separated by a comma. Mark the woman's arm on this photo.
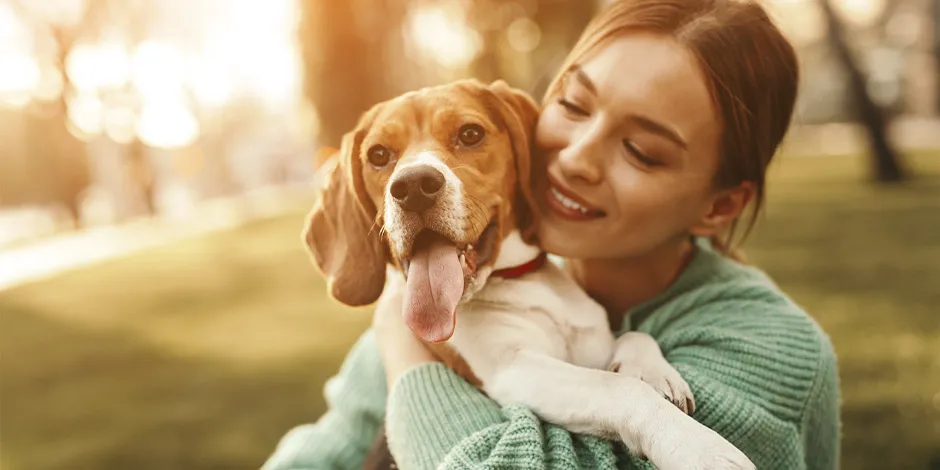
<point>764,376</point>
<point>763,394</point>
<point>341,437</point>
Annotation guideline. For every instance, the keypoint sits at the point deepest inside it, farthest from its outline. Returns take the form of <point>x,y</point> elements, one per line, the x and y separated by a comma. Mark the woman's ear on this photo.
<point>725,207</point>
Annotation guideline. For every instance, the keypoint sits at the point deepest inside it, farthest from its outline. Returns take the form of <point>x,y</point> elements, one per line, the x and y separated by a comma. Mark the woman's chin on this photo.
<point>561,240</point>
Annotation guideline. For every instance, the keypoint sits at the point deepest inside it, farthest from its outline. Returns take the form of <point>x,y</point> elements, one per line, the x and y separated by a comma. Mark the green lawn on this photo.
<point>200,355</point>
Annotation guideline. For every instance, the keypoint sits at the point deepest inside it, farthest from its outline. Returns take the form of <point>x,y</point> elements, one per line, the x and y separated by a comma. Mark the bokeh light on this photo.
<point>167,124</point>
<point>523,34</point>
<point>86,114</point>
<point>441,32</point>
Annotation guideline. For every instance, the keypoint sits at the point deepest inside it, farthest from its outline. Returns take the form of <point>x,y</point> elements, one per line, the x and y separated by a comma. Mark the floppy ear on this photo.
<point>521,115</point>
<point>341,233</point>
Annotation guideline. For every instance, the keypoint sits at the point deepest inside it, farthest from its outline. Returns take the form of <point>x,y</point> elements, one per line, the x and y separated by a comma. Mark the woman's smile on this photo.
<point>567,205</point>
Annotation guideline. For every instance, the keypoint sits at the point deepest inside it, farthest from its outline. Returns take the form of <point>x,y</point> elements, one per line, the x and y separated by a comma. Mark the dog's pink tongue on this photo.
<point>435,284</point>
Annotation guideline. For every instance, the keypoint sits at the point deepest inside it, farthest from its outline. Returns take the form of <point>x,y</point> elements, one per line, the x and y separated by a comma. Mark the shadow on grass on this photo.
<point>82,399</point>
<point>198,355</point>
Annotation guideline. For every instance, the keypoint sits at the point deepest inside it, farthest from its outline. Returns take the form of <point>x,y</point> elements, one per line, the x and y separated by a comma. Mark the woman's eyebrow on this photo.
<point>582,77</point>
<point>657,128</point>
<point>644,122</point>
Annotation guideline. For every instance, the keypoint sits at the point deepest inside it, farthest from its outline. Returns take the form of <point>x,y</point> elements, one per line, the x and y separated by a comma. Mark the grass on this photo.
<point>864,260</point>
<point>201,354</point>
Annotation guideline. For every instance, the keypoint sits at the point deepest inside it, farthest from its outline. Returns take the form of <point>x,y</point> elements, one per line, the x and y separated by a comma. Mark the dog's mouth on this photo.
<point>437,273</point>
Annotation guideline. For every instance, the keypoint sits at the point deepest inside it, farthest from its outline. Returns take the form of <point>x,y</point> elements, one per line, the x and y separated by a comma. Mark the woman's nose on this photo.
<point>583,158</point>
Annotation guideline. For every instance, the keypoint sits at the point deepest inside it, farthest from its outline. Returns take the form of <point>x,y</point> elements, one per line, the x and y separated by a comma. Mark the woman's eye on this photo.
<point>639,155</point>
<point>572,108</point>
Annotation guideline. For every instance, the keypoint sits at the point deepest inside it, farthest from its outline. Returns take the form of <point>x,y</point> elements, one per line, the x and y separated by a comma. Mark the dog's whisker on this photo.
<point>379,221</point>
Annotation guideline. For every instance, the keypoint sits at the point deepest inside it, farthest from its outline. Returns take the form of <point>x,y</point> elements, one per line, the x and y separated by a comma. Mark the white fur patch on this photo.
<point>447,216</point>
<point>514,252</point>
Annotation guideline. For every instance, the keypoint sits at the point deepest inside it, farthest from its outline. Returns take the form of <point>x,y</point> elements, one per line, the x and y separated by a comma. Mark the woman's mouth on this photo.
<point>569,206</point>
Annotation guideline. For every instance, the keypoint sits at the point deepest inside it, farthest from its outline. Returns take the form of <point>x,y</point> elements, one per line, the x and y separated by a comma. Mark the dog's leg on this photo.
<point>379,456</point>
<point>638,355</point>
<point>612,406</point>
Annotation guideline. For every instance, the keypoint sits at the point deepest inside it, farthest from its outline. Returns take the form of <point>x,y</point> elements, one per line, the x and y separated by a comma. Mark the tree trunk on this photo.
<point>561,24</point>
<point>142,176</point>
<point>936,50</point>
<point>343,45</point>
<point>886,161</point>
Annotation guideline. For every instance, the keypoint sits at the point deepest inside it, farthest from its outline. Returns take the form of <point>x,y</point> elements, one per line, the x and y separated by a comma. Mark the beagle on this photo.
<point>429,200</point>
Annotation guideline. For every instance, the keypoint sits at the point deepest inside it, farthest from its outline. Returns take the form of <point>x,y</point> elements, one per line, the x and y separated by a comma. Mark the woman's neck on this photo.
<point>623,283</point>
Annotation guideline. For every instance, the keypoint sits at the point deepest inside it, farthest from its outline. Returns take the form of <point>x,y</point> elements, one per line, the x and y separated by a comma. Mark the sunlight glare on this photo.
<point>860,12</point>
<point>158,70</point>
<point>20,76</point>
<point>442,33</point>
<point>119,122</point>
<point>209,83</point>
<point>86,113</point>
<point>167,124</point>
<point>50,85</point>
<point>92,67</point>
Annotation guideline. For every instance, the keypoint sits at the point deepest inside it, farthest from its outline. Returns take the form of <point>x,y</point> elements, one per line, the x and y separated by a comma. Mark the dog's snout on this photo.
<point>415,188</point>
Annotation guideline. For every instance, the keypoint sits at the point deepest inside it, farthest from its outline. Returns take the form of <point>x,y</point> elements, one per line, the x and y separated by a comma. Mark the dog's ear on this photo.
<point>341,232</point>
<point>521,114</point>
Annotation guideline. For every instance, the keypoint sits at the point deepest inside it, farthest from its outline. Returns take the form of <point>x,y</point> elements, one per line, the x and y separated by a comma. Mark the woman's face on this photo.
<point>631,145</point>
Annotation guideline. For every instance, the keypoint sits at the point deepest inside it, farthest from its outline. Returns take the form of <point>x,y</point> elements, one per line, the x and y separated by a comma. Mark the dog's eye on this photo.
<point>379,155</point>
<point>470,134</point>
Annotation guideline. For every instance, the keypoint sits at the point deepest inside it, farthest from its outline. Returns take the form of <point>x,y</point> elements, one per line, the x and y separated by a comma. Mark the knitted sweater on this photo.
<point>763,374</point>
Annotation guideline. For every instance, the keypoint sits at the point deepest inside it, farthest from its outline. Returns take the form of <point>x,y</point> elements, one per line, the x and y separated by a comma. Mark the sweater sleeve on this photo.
<point>764,377</point>
<point>341,438</point>
<point>756,384</point>
<point>436,420</point>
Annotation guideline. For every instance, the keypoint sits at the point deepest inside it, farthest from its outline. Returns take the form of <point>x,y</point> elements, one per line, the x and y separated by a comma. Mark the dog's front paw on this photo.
<point>681,443</point>
<point>705,449</point>
<point>637,355</point>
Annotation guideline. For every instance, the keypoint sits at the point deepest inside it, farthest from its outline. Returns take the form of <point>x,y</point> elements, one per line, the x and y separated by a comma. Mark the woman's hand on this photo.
<point>401,350</point>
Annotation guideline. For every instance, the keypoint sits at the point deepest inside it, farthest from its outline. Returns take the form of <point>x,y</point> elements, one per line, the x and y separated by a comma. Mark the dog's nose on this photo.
<point>417,187</point>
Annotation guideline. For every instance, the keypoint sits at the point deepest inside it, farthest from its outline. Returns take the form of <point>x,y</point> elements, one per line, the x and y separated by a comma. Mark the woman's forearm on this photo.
<point>401,359</point>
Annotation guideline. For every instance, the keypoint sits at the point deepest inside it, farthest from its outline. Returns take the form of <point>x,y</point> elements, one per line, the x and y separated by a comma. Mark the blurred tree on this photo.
<point>557,26</point>
<point>935,21</point>
<point>58,162</point>
<point>60,157</point>
<point>561,23</point>
<point>887,166</point>
<point>347,48</point>
<point>354,51</point>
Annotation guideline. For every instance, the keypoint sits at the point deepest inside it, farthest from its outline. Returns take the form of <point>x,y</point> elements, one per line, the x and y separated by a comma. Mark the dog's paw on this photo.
<point>665,379</point>
<point>712,453</point>
<point>638,356</point>
<point>686,444</point>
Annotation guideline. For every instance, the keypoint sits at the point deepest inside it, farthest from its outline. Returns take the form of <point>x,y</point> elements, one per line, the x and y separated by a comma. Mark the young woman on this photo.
<point>657,135</point>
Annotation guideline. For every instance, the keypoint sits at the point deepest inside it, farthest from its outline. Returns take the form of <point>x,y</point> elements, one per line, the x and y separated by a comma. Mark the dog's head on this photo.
<point>432,182</point>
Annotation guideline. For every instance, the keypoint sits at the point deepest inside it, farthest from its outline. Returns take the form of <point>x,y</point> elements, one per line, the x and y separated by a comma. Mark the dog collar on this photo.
<point>522,269</point>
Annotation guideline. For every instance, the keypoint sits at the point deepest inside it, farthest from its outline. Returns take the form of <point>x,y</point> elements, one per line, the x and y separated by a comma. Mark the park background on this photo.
<point>157,309</point>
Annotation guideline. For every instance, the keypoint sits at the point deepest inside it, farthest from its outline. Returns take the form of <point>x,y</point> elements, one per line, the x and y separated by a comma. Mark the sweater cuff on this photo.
<point>431,409</point>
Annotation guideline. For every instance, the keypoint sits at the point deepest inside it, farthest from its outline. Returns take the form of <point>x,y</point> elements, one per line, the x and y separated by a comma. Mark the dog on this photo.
<point>429,198</point>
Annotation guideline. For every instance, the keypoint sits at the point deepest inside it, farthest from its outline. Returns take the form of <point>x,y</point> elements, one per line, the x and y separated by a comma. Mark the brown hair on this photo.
<point>750,68</point>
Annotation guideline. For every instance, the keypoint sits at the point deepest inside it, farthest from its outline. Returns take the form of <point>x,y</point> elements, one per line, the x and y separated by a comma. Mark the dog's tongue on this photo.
<point>434,286</point>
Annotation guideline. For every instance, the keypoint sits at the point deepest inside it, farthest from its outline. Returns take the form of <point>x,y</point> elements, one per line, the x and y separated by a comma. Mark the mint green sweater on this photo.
<point>763,373</point>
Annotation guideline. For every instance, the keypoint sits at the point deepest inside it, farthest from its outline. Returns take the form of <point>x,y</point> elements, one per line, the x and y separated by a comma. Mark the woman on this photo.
<point>657,134</point>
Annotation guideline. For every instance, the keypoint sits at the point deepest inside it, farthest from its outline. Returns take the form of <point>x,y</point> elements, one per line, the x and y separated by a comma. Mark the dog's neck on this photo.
<point>514,252</point>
